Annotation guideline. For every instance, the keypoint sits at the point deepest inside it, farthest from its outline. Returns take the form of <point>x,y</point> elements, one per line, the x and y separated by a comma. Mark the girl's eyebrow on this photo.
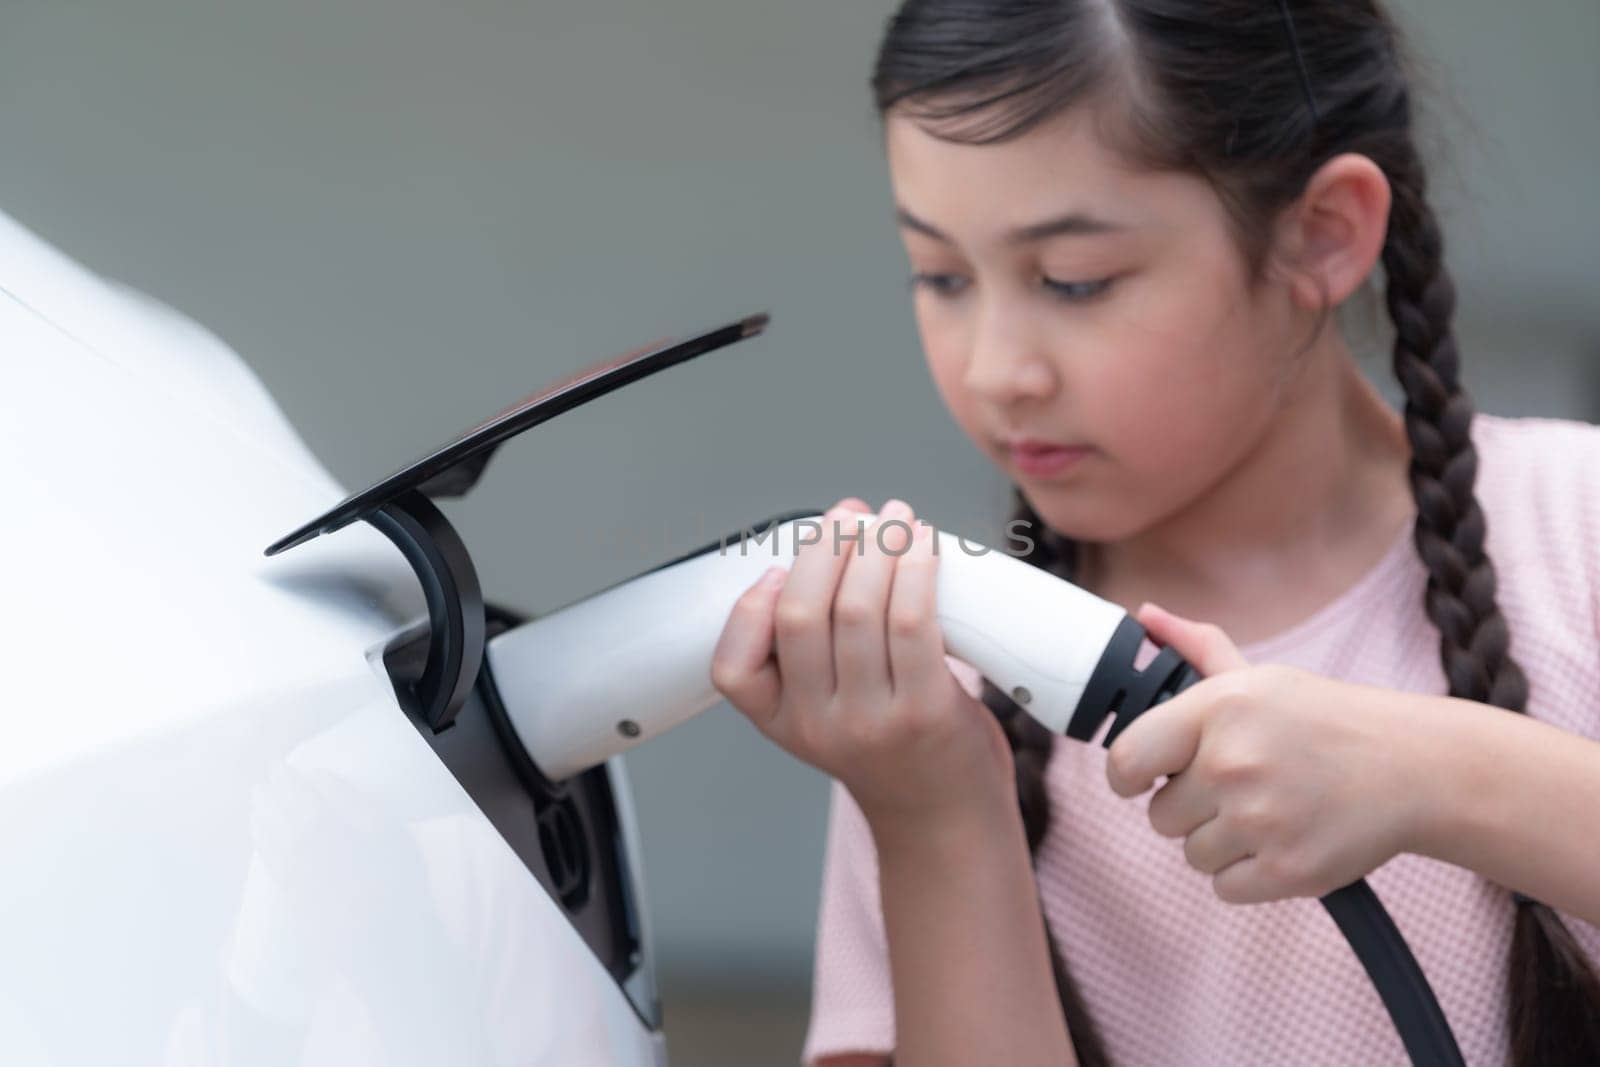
<point>1072,224</point>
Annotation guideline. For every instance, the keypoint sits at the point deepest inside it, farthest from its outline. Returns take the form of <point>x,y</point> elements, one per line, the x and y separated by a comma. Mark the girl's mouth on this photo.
<point>1040,460</point>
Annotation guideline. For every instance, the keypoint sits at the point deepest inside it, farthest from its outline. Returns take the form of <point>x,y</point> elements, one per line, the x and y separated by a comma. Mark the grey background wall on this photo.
<point>404,214</point>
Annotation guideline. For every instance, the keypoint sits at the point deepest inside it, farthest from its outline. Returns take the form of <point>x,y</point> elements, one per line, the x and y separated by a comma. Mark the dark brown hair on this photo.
<point>1254,97</point>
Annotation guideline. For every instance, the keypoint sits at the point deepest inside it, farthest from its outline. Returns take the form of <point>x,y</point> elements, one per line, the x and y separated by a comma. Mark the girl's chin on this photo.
<point>1068,513</point>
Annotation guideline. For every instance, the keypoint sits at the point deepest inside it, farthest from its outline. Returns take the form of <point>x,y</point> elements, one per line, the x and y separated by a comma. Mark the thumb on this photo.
<point>1204,645</point>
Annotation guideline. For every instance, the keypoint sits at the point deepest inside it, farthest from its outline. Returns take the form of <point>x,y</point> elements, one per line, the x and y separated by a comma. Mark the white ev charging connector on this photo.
<point>609,672</point>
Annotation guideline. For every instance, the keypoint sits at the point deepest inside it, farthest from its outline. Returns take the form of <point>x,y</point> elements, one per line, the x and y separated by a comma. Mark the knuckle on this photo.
<point>725,678</point>
<point>1232,767</point>
<point>1230,890</point>
<point>795,618</point>
<point>1286,870</point>
<point>1234,691</point>
<point>1230,761</point>
<point>1162,821</point>
<point>908,724</point>
<point>906,621</point>
<point>903,721</point>
<point>852,611</point>
<point>1121,764</point>
<point>892,537</point>
<point>1256,821</point>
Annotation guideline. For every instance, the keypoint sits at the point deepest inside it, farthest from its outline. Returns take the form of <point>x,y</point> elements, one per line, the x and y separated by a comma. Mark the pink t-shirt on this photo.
<point>1173,975</point>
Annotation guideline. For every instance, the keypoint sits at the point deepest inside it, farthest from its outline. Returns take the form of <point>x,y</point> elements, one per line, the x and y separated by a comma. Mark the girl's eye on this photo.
<point>1077,292</point>
<point>940,284</point>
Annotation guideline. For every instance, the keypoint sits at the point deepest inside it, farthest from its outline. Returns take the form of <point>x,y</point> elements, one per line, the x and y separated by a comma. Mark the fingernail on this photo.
<point>773,576</point>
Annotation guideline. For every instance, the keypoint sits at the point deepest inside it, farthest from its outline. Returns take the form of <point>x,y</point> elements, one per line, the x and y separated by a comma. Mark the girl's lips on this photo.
<point>1039,460</point>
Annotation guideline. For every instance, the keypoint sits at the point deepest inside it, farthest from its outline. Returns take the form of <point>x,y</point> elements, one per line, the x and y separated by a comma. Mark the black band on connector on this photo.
<point>1117,688</point>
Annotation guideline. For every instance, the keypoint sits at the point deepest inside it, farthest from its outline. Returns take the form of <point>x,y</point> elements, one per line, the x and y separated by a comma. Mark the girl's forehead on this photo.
<point>1060,167</point>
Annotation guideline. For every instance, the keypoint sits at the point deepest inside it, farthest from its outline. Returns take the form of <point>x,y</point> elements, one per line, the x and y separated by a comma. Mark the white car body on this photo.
<point>223,842</point>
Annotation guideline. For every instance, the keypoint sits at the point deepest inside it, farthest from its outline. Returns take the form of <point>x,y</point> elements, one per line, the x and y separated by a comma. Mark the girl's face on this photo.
<point>1063,297</point>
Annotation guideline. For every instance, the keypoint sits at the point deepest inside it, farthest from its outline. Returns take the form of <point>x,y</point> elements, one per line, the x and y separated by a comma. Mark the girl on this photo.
<point>1128,223</point>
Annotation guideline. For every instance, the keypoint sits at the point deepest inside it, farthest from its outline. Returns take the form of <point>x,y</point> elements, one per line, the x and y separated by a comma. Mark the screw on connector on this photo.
<point>1021,695</point>
<point>628,728</point>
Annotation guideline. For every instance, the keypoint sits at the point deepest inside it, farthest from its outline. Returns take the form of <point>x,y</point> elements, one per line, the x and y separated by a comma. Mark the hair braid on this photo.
<point>1554,994</point>
<point>1473,638</point>
<point>1032,745</point>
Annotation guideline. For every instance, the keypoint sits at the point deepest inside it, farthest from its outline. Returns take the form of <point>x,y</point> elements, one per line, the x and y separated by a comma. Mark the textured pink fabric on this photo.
<point>1175,976</point>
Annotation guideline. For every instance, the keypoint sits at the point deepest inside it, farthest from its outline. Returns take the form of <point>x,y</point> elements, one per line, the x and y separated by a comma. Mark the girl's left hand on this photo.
<point>1283,783</point>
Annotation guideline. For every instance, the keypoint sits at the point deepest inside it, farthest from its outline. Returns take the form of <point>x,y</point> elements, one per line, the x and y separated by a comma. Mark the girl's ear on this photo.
<point>1335,231</point>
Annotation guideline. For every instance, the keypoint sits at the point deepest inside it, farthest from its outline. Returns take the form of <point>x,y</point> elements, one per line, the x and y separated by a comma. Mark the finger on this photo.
<point>853,503</point>
<point>1213,846</point>
<point>1204,645</point>
<point>742,666</point>
<point>1244,882</point>
<point>1181,805</point>
<point>803,624</point>
<point>1160,742</point>
<point>965,673</point>
<point>860,647</point>
<point>916,644</point>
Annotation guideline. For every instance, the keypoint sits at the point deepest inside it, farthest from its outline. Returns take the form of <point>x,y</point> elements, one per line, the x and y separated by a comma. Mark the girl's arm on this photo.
<point>968,959</point>
<point>1513,798</point>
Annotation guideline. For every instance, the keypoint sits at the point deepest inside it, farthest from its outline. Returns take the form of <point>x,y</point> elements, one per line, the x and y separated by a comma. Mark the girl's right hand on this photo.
<point>841,662</point>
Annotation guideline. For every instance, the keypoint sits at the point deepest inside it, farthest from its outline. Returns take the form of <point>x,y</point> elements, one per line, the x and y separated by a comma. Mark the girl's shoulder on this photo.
<point>1549,449</point>
<point>1539,488</point>
<point>1538,481</point>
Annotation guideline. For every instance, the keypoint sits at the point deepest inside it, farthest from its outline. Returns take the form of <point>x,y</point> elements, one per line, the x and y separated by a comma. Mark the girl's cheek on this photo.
<point>945,353</point>
<point>1197,414</point>
<point>963,408</point>
<point>1153,407</point>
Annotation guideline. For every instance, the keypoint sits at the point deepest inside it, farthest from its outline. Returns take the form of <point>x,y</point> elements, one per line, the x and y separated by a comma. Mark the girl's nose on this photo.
<point>1008,360</point>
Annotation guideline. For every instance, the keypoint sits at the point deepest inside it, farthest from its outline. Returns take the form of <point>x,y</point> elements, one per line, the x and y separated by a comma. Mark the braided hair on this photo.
<point>1254,98</point>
